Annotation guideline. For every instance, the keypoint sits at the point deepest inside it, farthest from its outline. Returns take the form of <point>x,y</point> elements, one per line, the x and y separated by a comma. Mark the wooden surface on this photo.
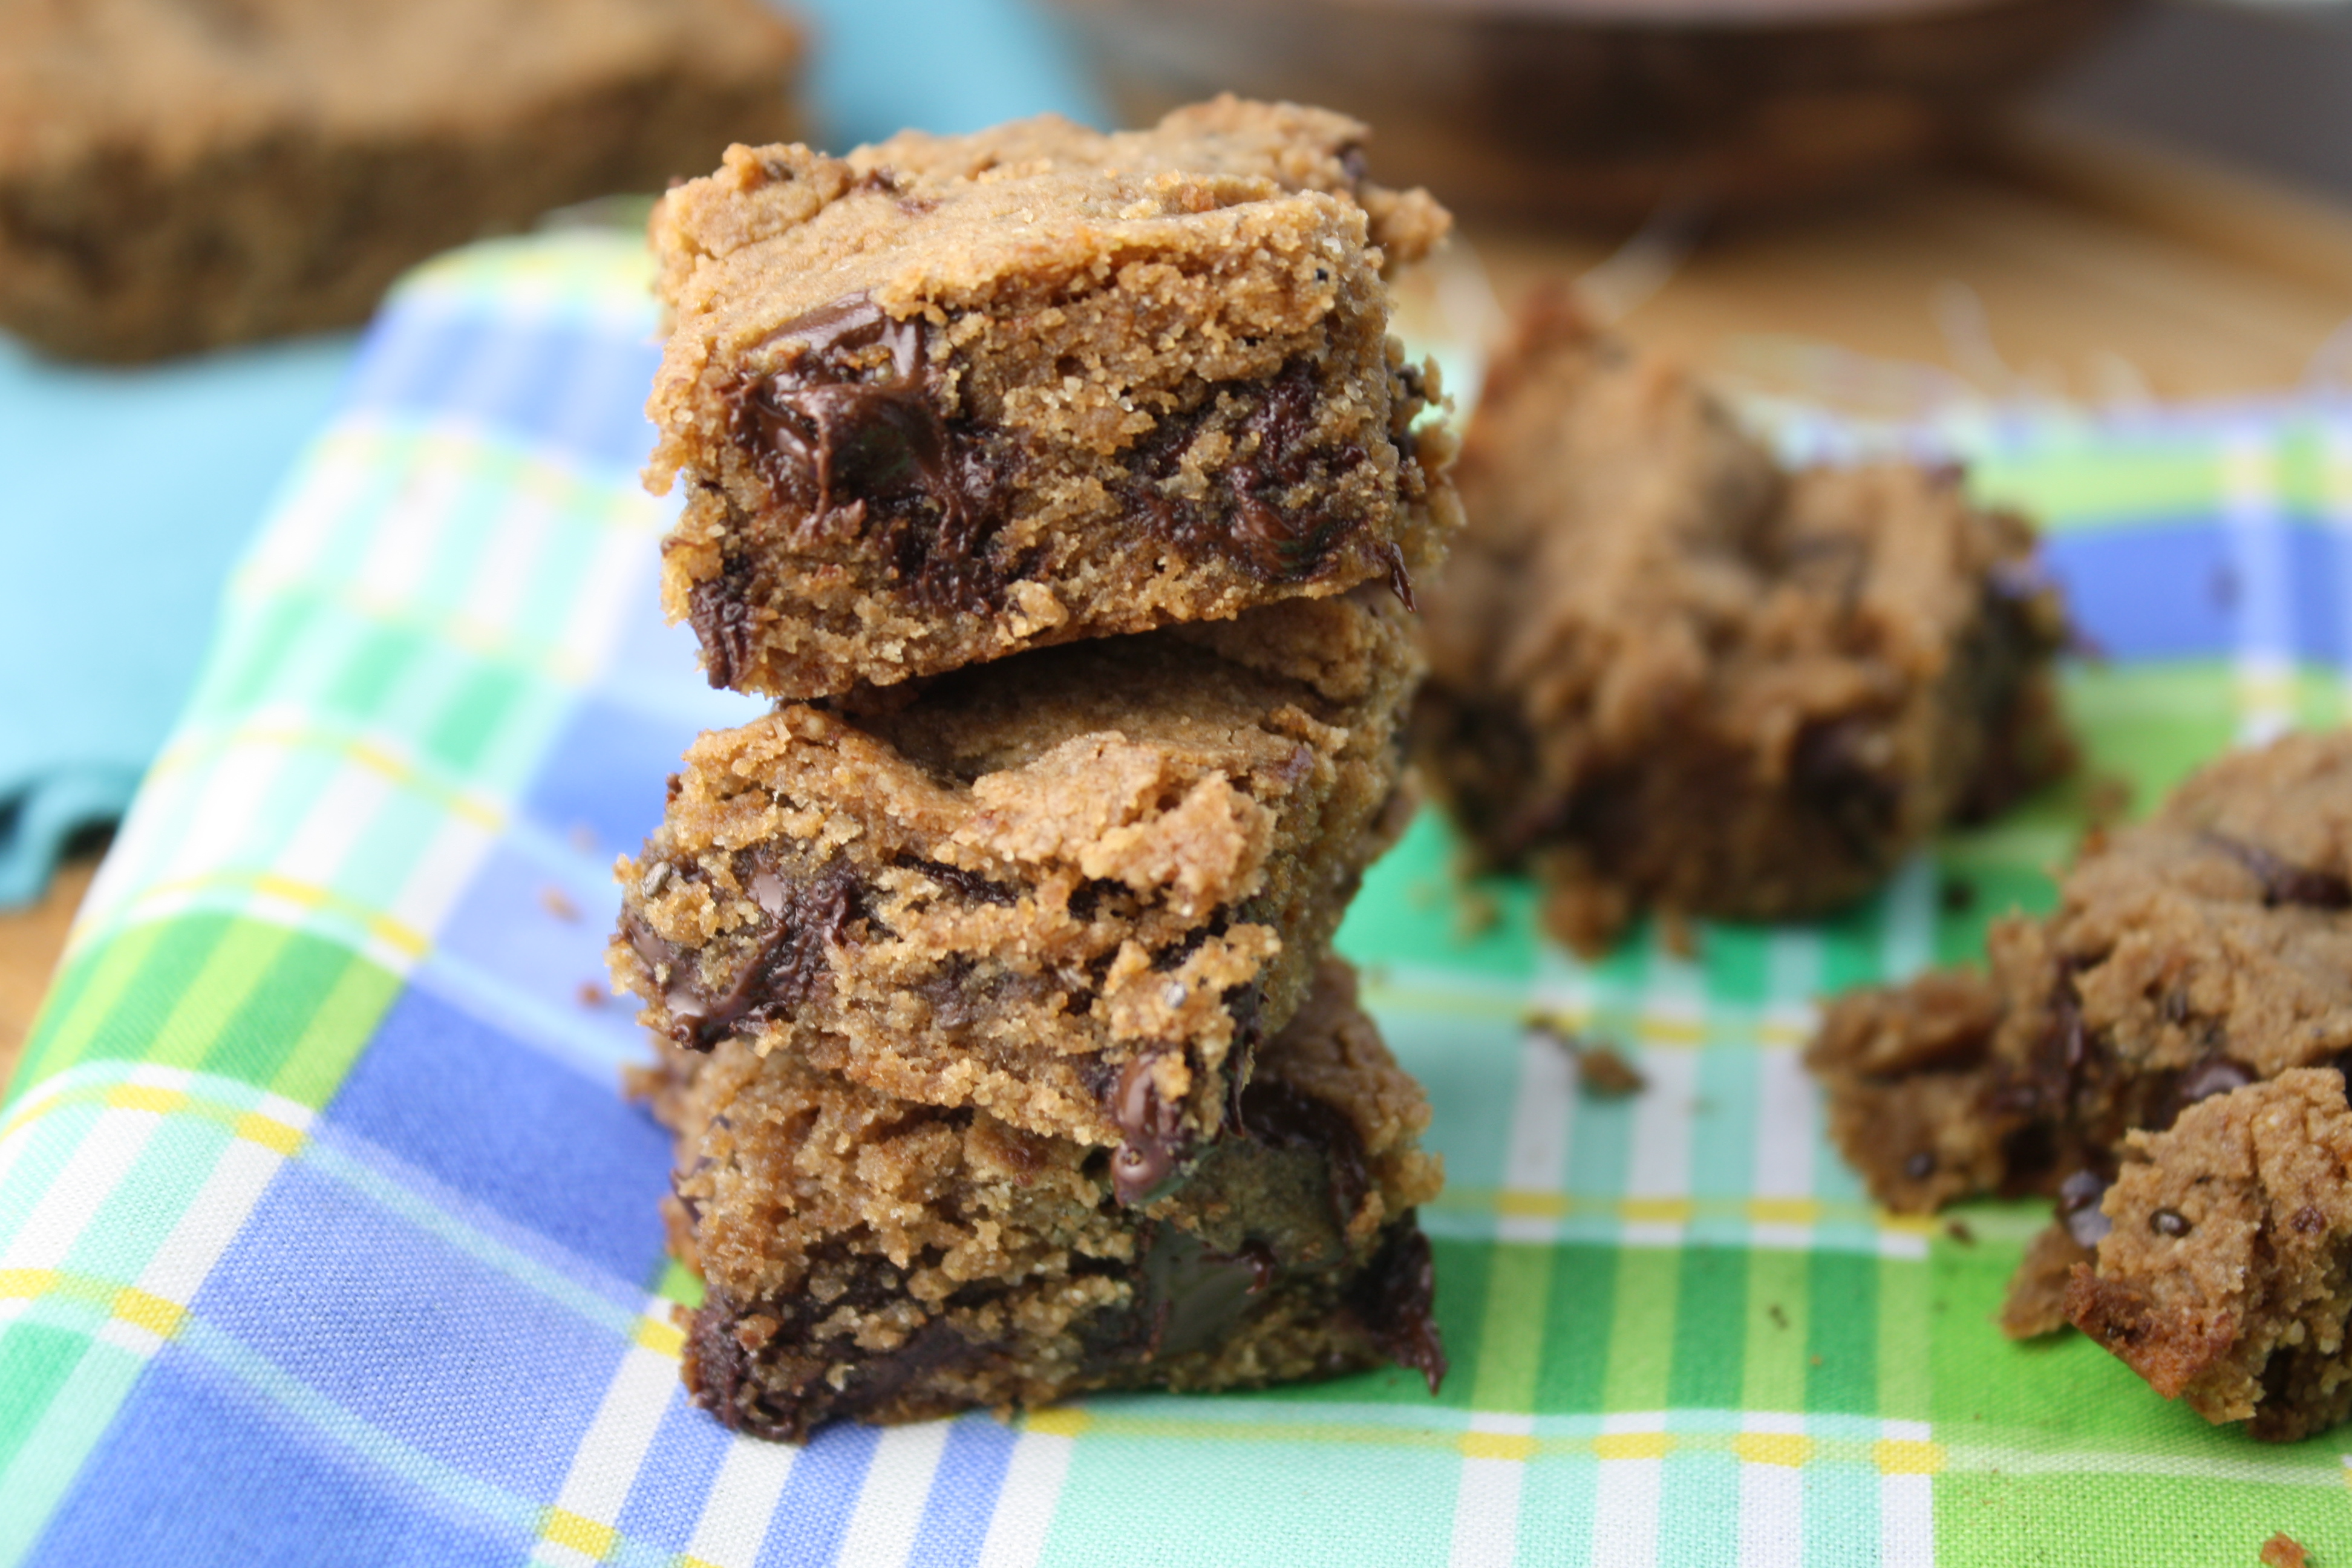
<point>2053,262</point>
<point>30,943</point>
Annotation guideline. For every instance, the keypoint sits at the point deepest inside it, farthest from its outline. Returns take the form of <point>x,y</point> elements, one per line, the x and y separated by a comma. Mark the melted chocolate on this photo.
<point>1394,1297</point>
<point>1153,1145</point>
<point>2214,1075</point>
<point>2281,881</point>
<point>1282,1117</point>
<point>848,432</point>
<point>1252,528</point>
<point>1190,1298</point>
<point>776,1386</point>
<point>1836,785</point>
<point>783,972</point>
<point>971,884</point>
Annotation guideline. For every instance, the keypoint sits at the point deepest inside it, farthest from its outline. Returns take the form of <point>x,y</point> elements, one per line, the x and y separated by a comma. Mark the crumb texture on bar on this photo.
<point>1665,673</point>
<point>949,397</point>
<point>2204,950</point>
<point>1072,888</point>
<point>868,1259</point>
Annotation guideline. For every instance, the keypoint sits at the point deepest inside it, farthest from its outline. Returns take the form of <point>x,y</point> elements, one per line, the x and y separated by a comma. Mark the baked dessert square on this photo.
<point>177,176</point>
<point>871,1260</point>
<point>947,398</point>
<point>1071,888</point>
<point>2222,1271</point>
<point>2205,949</point>
<point>1665,674</point>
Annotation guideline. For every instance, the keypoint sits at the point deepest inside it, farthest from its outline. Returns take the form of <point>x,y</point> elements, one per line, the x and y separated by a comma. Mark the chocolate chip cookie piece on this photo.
<point>1666,674</point>
<point>2225,1274</point>
<point>947,399</point>
<point>872,1259</point>
<point>2206,949</point>
<point>1072,888</point>
<point>174,176</point>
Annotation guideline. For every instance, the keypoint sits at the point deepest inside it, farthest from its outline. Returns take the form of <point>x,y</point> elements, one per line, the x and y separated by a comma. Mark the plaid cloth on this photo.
<point>326,1237</point>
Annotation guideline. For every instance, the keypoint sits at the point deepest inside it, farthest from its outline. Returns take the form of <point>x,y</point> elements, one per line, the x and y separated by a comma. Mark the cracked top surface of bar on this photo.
<point>1072,889</point>
<point>1665,672</point>
<point>865,1259</point>
<point>2207,948</point>
<point>949,397</point>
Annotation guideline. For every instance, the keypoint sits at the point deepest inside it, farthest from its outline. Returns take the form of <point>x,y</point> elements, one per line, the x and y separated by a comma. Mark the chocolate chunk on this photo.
<point>2214,1075</point>
<point>1920,1166</point>
<point>1271,539</point>
<point>2079,1196</point>
<point>1190,1298</point>
<point>2169,1222</point>
<point>1394,1298</point>
<point>1152,1143</point>
<point>806,917</point>
<point>874,458</point>
<point>720,609</point>
<point>971,884</point>
<point>2309,1220</point>
<point>736,1359</point>
<point>1835,780</point>
<point>1274,1113</point>
<point>2282,882</point>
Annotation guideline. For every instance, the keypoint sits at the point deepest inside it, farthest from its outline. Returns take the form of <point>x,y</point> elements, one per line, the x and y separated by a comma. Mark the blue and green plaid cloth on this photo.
<point>325,1236</point>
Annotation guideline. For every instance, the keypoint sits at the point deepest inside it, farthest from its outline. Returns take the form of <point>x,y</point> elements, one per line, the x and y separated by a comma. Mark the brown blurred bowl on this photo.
<point>1603,109</point>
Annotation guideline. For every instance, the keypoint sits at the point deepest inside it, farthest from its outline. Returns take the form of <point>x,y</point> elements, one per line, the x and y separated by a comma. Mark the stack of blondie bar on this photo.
<point>1064,492</point>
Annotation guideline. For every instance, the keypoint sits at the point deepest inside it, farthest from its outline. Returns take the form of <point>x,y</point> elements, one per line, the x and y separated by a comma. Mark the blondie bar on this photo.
<point>947,398</point>
<point>1070,889</point>
<point>1666,674</point>
<point>2206,949</point>
<point>867,1259</point>
<point>174,176</point>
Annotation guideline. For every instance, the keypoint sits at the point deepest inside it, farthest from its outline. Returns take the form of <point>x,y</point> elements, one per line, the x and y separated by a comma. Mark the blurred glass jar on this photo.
<point>1605,110</point>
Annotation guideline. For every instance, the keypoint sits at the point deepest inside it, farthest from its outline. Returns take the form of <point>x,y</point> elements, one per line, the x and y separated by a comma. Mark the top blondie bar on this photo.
<point>946,398</point>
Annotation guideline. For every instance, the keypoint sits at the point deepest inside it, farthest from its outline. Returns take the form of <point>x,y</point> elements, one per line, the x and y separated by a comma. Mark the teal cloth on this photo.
<point>128,493</point>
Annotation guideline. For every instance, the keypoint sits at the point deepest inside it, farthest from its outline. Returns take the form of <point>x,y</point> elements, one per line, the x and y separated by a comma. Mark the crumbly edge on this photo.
<point>2204,950</point>
<point>2226,1277</point>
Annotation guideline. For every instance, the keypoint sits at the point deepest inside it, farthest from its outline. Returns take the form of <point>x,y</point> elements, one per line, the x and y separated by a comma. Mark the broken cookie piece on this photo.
<point>1666,674</point>
<point>2225,1276</point>
<point>867,1259</point>
<point>1072,889</point>
<point>951,397</point>
<point>2204,949</point>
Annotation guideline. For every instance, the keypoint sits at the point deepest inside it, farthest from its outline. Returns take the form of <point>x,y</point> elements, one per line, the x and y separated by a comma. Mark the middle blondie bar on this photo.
<point>1071,888</point>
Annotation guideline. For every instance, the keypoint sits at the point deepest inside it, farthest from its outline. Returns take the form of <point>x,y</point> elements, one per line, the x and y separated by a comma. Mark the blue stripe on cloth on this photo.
<point>577,387</point>
<point>410,1334</point>
<point>963,1494</point>
<point>522,954</point>
<point>224,1477</point>
<point>547,1149</point>
<point>813,1514</point>
<point>667,1499</point>
<point>2165,589</point>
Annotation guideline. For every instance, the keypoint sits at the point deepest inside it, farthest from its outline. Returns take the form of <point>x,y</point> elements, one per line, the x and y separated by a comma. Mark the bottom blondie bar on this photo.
<point>877,1259</point>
